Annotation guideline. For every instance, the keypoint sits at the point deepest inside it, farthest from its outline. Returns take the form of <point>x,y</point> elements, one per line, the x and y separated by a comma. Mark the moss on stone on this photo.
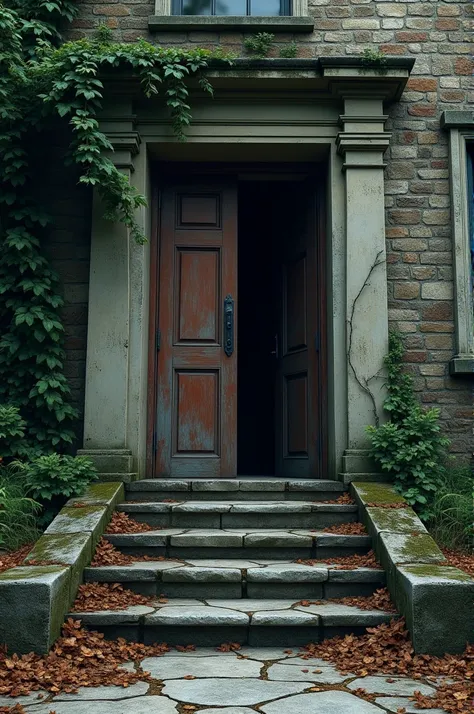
<point>420,546</point>
<point>395,519</point>
<point>60,547</point>
<point>376,492</point>
<point>81,512</point>
<point>27,572</point>
<point>426,570</point>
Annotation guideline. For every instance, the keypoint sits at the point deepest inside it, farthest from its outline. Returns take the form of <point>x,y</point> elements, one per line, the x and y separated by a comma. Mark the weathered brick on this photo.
<point>406,291</point>
<point>436,217</point>
<point>464,65</point>
<point>436,327</point>
<point>405,216</point>
<point>112,10</point>
<point>422,84</point>
<point>411,36</point>
<point>409,244</point>
<point>437,291</point>
<point>439,342</point>
<point>391,9</point>
<point>447,24</point>
<point>423,273</point>
<point>422,110</point>
<point>396,231</point>
<point>428,137</point>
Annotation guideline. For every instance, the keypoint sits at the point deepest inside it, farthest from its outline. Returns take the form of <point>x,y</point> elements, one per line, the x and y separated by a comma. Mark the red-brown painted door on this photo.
<point>196,423</point>
<point>298,432</point>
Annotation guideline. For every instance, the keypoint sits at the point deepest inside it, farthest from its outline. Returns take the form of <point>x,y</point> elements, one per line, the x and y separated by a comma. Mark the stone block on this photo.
<point>87,519</point>
<point>106,493</point>
<point>202,575</point>
<point>379,493</point>
<point>438,603</point>
<point>33,603</point>
<point>71,549</point>
<point>397,548</point>
<point>394,520</point>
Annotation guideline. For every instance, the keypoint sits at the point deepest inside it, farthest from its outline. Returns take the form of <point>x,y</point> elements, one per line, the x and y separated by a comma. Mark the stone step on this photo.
<point>205,623</point>
<point>239,579</point>
<point>240,542</point>
<point>239,514</point>
<point>238,489</point>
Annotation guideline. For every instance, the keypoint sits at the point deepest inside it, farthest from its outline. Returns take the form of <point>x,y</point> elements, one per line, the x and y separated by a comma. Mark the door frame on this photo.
<point>160,176</point>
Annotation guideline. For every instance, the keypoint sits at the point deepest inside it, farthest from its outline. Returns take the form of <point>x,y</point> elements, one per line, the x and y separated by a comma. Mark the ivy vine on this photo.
<point>42,80</point>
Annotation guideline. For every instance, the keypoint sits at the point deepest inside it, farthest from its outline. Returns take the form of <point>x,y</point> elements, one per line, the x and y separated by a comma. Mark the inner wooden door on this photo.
<point>196,400</point>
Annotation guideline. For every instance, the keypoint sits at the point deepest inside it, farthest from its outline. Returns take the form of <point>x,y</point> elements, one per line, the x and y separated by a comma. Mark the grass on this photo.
<point>18,512</point>
<point>452,524</point>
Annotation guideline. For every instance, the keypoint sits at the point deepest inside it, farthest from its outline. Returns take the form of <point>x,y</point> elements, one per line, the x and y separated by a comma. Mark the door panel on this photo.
<point>196,426</point>
<point>297,389</point>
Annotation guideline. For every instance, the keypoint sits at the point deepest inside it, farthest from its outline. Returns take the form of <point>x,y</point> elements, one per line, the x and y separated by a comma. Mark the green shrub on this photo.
<point>18,513</point>
<point>452,520</point>
<point>410,446</point>
<point>289,51</point>
<point>12,431</point>
<point>54,478</point>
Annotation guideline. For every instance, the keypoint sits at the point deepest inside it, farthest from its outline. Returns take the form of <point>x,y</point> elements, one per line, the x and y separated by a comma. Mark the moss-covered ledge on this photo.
<point>35,597</point>
<point>436,599</point>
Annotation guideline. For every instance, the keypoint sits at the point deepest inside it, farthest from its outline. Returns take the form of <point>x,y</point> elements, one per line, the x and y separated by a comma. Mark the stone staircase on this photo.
<point>223,564</point>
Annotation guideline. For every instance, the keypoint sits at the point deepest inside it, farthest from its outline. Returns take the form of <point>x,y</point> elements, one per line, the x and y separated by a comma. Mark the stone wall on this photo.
<point>439,35</point>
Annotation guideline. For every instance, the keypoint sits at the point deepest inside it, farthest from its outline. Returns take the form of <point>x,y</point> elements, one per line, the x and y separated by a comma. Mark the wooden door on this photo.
<point>298,389</point>
<point>196,422</point>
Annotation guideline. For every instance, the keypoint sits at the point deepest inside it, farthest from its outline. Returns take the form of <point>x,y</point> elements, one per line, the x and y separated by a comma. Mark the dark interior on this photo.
<point>263,211</point>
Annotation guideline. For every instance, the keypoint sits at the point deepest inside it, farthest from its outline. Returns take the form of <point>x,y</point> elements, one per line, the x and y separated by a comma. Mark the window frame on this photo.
<point>285,9</point>
<point>299,8</point>
<point>461,158</point>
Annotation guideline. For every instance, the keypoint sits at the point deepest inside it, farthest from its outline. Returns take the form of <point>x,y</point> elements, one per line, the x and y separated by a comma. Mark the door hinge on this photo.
<point>158,339</point>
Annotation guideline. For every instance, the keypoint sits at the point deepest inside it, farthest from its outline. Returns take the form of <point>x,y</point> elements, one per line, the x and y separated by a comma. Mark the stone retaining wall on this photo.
<point>436,599</point>
<point>34,599</point>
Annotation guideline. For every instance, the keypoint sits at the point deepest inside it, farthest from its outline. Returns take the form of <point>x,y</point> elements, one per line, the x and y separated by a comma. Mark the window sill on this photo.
<point>462,365</point>
<point>191,23</point>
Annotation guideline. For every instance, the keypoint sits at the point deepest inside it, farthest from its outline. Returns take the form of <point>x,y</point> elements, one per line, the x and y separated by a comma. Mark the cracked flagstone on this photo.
<point>139,705</point>
<point>202,667</point>
<point>386,684</point>
<point>326,674</point>
<point>107,692</point>
<point>394,704</point>
<point>321,703</point>
<point>230,692</point>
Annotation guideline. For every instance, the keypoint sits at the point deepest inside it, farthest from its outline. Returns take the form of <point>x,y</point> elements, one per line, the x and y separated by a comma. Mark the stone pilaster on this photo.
<point>362,143</point>
<point>112,360</point>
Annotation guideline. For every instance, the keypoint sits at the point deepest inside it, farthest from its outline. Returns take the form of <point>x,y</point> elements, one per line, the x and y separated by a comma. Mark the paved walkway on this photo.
<point>266,680</point>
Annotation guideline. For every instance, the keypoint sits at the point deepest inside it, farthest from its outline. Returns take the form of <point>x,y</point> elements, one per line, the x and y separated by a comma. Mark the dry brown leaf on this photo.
<point>123,523</point>
<point>348,562</point>
<point>106,596</point>
<point>347,529</point>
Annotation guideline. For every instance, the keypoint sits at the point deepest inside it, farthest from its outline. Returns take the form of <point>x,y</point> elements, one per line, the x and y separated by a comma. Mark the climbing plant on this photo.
<point>43,80</point>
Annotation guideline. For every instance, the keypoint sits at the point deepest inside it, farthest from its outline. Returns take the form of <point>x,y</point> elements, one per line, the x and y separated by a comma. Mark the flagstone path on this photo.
<point>267,680</point>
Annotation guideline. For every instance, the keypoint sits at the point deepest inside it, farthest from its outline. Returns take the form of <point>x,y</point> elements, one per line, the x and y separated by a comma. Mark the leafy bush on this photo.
<point>410,446</point>
<point>12,431</point>
<point>54,478</point>
<point>452,521</point>
<point>18,513</point>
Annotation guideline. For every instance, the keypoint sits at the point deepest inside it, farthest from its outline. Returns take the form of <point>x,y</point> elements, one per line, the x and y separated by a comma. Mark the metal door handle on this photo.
<point>275,351</point>
<point>229,325</point>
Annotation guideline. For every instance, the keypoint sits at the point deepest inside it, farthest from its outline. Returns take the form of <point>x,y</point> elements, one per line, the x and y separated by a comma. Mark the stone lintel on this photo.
<point>462,365</point>
<point>455,119</point>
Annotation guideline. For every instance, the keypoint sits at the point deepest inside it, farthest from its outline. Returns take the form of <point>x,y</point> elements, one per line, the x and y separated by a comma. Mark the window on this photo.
<point>460,125</point>
<point>231,7</point>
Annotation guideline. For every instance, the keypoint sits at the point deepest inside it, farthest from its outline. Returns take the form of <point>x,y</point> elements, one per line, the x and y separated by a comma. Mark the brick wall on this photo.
<point>439,34</point>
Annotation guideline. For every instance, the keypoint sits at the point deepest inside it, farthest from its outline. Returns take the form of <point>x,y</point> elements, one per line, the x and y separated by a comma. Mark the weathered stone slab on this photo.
<point>395,704</point>
<point>326,674</point>
<point>131,615</point>
<point>374,492</point>
<point>197,615</point>
<point>228,710</point>
<point>437,602</point>
<point>276,540</point>
<point>222,692</point>
<point>202,575</point>
<point>105,692</point>
<point>141,705</point>
<point>201,507</point>
<point>335,614</point>
<point>106,493</point>
<point>223,563</point>
<point>248,605</point>
<point>145,507</point>
<point>149,539</point>
<point>133,572</point>
<point>215,485</point>
<point>266,654</point>
<point>335,540</point>
<point>72,549</point>
<point>272,507</point>
<point>288,574</point>
<point>207,539</point>
<point>398,548</point>
<point>33,603</point>
<point>396,686</point>
<point>262,485</point>
<point>360,575</point>
<point>202,667</point>
<point>87,519</point>
<point>159,484</point>
<point>394,520</point>
<point>321,703</point>
<point>284,618</point>
<point>315,485</point>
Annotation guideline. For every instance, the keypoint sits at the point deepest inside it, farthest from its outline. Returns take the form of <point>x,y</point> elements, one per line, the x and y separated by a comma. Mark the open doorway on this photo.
<point>278,410</point>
